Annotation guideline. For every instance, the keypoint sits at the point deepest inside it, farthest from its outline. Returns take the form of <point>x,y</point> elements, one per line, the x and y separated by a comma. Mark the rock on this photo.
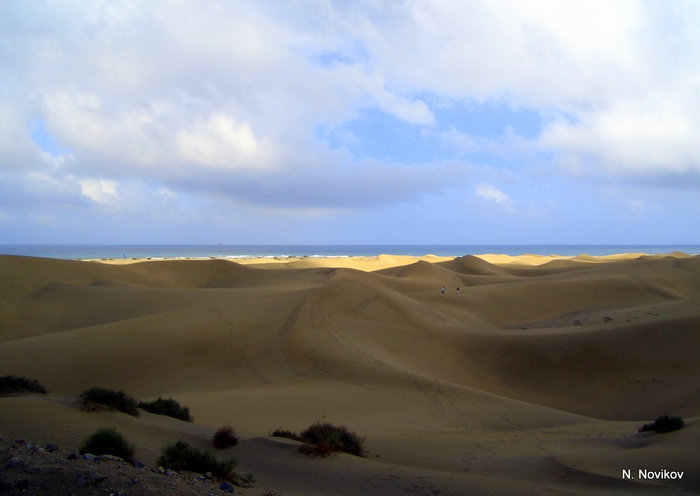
<point>99,480</point>
<point>89,456</point>
<point>138,464</point>
<point>42,472</point>
<point>50,447</point>
<point>208,475</point>
<point>109,458</point>
<point>226,487</point>
<point>170,473</point>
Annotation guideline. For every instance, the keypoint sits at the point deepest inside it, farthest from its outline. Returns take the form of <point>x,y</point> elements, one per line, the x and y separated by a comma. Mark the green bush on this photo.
<point>10,384</point>
<point>225,437</point>
<point>663,424</point>
<point>107,441</point>
<point>98,398</point>
<point>182,456</point>
<point>168,407</point>
<point>327,438</point>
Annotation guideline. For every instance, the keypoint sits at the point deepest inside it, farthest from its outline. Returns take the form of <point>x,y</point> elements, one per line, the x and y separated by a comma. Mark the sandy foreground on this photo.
<point>532,378</point>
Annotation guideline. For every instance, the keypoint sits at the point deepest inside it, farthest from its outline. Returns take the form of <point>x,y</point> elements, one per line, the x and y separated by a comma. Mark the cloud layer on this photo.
<point>110,106</point>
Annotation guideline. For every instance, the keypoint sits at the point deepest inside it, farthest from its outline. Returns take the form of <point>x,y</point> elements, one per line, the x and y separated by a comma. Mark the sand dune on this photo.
<point>533,377</point>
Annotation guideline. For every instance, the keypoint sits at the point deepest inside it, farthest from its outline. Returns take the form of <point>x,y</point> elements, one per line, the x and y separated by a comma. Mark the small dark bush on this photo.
<point>663,424</point>
<point>107,441</point>
<point>248,480</point>
<point>182,456</point>
<point>10,384</point>
<point>168,407</point>
<point>225,437</point>
<point>286,434</point>
<point>327,438</point>
<point>99,398</point>
<point>322,448</point>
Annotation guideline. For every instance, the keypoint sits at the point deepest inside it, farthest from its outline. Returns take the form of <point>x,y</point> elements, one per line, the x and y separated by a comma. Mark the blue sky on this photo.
<point>422,122</point>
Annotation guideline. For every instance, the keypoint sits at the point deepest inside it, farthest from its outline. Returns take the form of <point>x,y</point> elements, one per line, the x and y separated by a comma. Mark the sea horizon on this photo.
<point>127,251</point>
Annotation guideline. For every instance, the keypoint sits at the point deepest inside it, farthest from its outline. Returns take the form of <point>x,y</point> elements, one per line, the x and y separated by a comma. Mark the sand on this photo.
<point>532,378</point>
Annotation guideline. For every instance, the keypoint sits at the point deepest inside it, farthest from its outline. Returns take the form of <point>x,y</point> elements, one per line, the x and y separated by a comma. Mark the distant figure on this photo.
<point>458,289</point>
<point>443,290</point>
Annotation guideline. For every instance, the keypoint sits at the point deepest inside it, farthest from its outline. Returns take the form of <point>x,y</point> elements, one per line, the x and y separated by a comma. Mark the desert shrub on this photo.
<point>322,448</point>
<point>247,480</point>
<point>326,438</point>
<point>96,398</point>
<point>107,441</point>
<point>182,456</point>
<point>225,437</point>
<point>10,384</point>
<point>663,424</point>
<point>168,407</point>
<point>286,434</point>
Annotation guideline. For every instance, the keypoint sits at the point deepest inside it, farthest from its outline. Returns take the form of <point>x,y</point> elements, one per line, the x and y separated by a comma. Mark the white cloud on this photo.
<point>101,191</point>
<point>220,141</point>
<point>157,81</point>
<point>56,162</point>
<point>125,133</point>
<point>543,53</point>
<point>617,79</point>
<point>493,194</point>
<point>657,137</point>
<point>412,111</point>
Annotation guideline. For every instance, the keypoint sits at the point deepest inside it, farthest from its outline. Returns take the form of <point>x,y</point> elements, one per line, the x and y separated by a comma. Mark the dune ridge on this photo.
<point>534,368</point>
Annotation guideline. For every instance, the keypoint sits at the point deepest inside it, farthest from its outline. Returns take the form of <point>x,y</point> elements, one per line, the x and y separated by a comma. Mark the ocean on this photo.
<point>269,251</point>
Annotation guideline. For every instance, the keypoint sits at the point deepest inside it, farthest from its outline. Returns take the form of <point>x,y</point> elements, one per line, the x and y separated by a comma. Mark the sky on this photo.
<point>350,122</point>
